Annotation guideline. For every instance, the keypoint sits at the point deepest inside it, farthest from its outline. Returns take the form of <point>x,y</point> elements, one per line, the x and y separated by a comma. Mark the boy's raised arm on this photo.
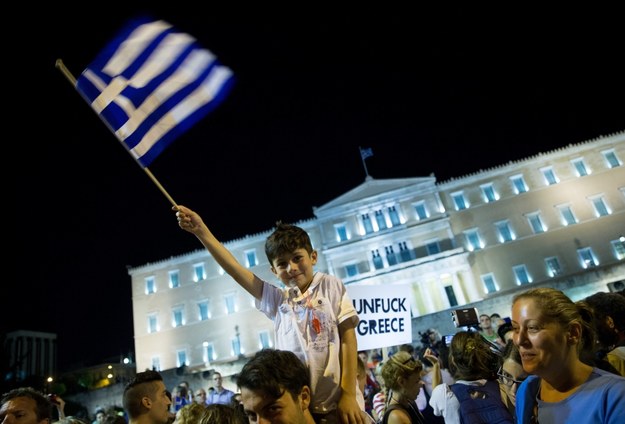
<point>190,221</point>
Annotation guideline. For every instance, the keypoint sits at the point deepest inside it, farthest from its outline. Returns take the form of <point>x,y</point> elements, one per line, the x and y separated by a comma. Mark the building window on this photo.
<point>177,317</point>
<point>619,247</point>
<point>156,363</point>
<point>536,222</point>
<point>366,223</point>
<point>390,255</point>
<point>231,303</point>
<point>152,323</point>
<point>203,311</point>
<point>489,283</point>
<point>174,279</point>
<point>395,219</point>
<point>521,275</point>
<point>488,193</point>
<point>199,273</point>
<point>405,254</point>
<point>263,340</point>
<point>611,159</point>
<point>460,200</point>
<point>505,231</point>
<point>518,183</point>
<point>553,266</point>
<point>378,263</point>
<point>587,257</point>
<point>474,241</point>
<point>236,346</point>
<point>600,205</point>
<point>421,211</point>
<point>549,175</point>
<point>209,352</point>
<point>380,219</point>
<point>451,296</point>
<point>181,358</point>
<point>566,215</point>
<point>150,285</point>
<point>581,169</point>
<point>351,270</point>
<point>341,232</point>
<point>250,257</point>
<point>433,247</point>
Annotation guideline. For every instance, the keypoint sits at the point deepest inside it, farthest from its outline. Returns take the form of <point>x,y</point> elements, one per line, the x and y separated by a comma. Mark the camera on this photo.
<point>447,339</point>
<point>52,398</point>
<point>465,317</point>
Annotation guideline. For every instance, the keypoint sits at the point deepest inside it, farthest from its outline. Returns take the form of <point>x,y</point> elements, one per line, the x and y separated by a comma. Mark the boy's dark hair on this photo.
<point>273,372</point>
<point>286,238</point>
<point>141,385</point>
<point>43,407</point>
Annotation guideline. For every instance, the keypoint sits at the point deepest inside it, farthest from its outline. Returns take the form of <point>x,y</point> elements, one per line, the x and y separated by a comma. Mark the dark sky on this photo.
<point>447,92</point>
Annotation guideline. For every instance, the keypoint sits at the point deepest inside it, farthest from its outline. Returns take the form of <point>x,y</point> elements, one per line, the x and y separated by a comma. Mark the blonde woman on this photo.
<point>402,378</point>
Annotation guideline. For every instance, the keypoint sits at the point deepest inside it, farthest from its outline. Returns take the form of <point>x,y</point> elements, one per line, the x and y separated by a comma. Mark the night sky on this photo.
<point>443,92</point>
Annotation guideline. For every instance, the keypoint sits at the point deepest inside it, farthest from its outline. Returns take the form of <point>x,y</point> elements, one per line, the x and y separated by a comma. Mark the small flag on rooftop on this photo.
<point>364,154</point>
<point>151,84</point>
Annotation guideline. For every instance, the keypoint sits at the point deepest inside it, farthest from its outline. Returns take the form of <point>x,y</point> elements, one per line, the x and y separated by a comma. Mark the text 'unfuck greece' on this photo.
<point>386,306</point>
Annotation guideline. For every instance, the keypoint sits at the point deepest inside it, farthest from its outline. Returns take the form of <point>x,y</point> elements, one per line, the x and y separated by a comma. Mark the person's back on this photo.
<point>217,413</point>
<point>473,366</point>
<point>189,413</point>
<point>314,304</point>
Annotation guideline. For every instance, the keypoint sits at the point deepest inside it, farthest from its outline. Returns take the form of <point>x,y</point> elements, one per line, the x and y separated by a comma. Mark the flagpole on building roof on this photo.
<point>364,154</point>
<point>61,66</point>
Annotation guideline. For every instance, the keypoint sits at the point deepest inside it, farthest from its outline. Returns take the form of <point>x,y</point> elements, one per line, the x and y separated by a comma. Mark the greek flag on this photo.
<point>365,153</point>
<point>151,84</point>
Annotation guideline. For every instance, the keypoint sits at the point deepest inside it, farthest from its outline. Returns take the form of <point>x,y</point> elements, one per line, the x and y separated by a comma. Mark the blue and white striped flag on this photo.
<point>366,152</point>
<point>151,84</point>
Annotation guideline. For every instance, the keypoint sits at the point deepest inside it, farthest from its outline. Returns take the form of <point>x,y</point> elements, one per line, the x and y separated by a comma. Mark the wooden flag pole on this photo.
<point>61,66</point>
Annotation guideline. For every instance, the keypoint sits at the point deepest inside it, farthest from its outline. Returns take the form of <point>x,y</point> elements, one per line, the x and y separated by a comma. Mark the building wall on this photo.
<point>440,280</point>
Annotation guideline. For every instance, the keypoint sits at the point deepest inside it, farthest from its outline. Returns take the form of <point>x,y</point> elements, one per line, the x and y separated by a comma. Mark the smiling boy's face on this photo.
<point>296,268</point>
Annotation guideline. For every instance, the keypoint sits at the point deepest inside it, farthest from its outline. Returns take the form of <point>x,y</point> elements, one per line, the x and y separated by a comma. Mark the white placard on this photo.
<point>384,313</point>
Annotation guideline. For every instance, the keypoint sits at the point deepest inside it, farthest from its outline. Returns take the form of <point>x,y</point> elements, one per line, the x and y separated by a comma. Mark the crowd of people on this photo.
<point>553,361</point>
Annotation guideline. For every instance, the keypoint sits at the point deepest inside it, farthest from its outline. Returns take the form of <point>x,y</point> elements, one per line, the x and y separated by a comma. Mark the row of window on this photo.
<point>586,257</point>
<point>209,352</point>
<point>390,217</point>
<point>489,194</point>
<point>199,273</point>
<point>505,232</point>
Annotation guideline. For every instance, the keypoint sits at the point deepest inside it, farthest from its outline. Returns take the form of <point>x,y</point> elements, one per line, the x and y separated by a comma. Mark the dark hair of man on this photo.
<point>43,408</point>
<point>604,305</point>
<point>286,238</point>
<point>140,386</point>
<point>273,372</point>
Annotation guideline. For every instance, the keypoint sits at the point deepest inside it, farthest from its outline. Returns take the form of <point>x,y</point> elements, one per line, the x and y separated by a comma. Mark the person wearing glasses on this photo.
<point>511,374</point>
